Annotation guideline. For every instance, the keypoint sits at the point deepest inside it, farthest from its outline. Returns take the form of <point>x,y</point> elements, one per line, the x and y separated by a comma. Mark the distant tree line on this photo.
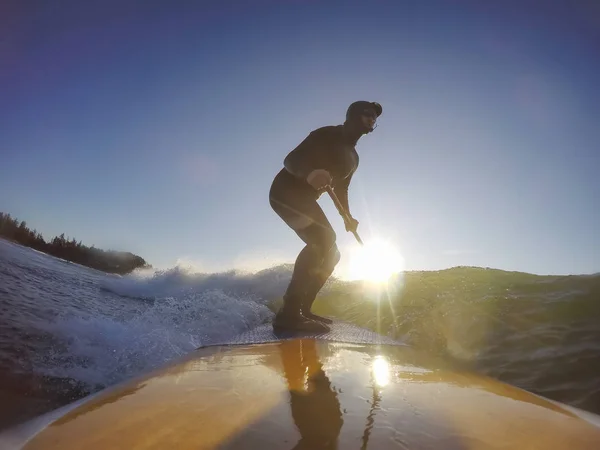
<point>69,249</point>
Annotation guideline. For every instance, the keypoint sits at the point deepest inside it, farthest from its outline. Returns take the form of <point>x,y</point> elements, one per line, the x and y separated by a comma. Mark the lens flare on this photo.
<point>381,371</point>
<point>376,262</point>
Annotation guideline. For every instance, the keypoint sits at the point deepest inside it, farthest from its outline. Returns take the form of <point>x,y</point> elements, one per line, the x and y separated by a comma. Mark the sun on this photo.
<point>376,262</point>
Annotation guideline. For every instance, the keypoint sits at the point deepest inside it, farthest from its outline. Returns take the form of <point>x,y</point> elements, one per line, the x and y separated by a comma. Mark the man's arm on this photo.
<point>341,190</point>
<point>310,154</point>
<point>305,158</point>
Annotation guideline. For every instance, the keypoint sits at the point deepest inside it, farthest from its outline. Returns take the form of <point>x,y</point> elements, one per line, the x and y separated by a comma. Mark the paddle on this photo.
<point>342,212</point>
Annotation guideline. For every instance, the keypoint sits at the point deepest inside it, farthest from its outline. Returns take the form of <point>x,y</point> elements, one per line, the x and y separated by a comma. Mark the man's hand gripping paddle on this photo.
<point>347,219</point>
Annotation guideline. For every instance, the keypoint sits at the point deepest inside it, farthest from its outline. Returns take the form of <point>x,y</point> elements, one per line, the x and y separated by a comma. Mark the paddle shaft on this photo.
<point>342,211</point>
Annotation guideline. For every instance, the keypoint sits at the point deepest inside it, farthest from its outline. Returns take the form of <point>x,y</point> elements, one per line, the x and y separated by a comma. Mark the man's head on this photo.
<point>361,116</point>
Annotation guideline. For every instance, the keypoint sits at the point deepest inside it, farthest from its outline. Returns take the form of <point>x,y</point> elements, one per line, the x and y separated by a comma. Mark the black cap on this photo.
<point>356,108</point>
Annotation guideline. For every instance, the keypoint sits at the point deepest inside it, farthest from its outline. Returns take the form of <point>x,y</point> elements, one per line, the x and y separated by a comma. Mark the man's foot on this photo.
<point>316,318</point>
<point>297,322</point>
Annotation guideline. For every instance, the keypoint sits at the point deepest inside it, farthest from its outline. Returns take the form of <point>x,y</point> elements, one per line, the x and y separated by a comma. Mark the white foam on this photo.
<point>184,279</point>
<point>99,338</point>
<point>101,351</point>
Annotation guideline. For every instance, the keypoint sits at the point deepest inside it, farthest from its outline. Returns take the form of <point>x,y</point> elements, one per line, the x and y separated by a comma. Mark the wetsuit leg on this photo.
<point>307,219</point>
<point>322,266</point>
<point>326,269</point>
<point>315,262</point>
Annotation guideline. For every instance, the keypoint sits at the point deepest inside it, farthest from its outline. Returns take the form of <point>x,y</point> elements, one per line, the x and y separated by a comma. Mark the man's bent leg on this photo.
<point>305,268</point>
<point>291,316</point>
<point>325,271</point>
<point>303,275</point>
<point>322,267</point>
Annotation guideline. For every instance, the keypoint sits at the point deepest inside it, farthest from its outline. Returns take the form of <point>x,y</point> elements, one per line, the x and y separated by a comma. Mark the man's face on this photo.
<point>368,118</point>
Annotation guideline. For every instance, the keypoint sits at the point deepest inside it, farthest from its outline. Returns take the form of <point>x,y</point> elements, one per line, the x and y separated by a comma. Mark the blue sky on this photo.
<point>157,127</point>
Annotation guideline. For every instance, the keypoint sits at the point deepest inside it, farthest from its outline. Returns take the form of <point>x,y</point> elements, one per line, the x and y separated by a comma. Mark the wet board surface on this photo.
<point>310,394</point>
<point>340,332</point>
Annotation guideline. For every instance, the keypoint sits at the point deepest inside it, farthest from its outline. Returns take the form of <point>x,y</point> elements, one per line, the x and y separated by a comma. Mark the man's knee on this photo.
<point>319,236</point>
<point>332,257</point>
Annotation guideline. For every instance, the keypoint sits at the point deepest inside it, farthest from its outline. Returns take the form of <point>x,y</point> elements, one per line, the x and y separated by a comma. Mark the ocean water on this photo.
<point>67,330</point>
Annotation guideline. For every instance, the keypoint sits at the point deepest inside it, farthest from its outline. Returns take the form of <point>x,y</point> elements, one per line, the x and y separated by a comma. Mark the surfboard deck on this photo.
<point>259,390</point>
<point>340,331</point>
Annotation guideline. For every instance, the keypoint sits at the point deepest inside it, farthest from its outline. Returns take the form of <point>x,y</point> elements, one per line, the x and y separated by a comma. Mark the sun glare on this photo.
<point>381,371</point>
<point>376,262</point>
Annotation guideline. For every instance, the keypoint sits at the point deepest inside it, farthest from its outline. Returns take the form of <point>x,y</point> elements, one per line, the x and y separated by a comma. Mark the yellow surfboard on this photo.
<point>348,389</point>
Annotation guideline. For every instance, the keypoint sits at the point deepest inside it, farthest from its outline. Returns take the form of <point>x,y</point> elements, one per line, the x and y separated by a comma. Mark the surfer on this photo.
<point>327,157</point>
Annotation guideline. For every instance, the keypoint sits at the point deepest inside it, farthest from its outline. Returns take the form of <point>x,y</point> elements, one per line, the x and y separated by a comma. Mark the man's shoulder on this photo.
<point>329,129</point>
<point>327,133</point>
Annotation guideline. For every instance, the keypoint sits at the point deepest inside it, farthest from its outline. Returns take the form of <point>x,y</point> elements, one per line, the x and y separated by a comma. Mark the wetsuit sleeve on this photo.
<point>341,190</point>
<point>308,156</point>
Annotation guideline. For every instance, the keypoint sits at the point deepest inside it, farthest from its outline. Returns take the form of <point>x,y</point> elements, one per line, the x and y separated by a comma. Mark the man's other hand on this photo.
<point>351,224</point>
<point>319,179</point>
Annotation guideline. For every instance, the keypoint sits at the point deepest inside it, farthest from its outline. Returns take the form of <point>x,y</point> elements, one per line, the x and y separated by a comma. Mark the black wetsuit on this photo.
<point>331,148</point>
